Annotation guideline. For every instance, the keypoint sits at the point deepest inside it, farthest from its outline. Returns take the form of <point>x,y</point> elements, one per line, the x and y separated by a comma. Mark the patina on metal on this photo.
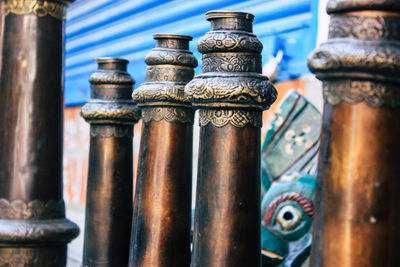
<point>357,201</point>
<point>231,94</point>
<point>111,114</point>
<point>33,227</point>
<point>162,212</point>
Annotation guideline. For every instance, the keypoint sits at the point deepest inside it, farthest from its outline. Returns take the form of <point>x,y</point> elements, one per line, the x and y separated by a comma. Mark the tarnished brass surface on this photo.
<point>231,94</point>
<point>356,222</point>
<point>111,114</point>
<point>54,8</point>
<point>33,227</point>
<point>162,212</point>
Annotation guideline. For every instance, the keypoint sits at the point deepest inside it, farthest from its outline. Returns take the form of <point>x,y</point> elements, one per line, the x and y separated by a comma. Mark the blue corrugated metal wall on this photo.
<point>124,28</point>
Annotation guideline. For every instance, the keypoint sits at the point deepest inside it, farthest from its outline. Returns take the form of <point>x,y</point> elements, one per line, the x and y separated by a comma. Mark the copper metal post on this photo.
<point>111,114</point>
<point>162,212</point>
<point>358,212</point>
<point>231,94</point>
<point>33,227</point>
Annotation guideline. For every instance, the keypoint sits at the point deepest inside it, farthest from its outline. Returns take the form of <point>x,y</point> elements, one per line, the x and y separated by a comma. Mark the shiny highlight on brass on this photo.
<point>231,94</point>
<point>357,199</point>
<point>162,211</point>
<point>33,227</point>
<point>111,114</point>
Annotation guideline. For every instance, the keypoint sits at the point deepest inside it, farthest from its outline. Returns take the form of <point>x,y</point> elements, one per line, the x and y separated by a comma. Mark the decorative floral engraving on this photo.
<point>34,210</point>
<point>364,27</point>
<point>232,62</point>
<point>247,91</point>
<point>160,56</point>
<point>113,112</point>
<point>56,9</point>
<point>375,94</point>
<point>169,74</point>
<point>237,118</point>
<point>170,114</point>
<point>160,92</point>
<point>229,42</point>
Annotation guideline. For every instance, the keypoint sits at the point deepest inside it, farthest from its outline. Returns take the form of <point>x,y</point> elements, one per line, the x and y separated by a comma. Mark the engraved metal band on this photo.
<point>361,59</point>
<point>232,62</point>
<point>169,114</point>
<point>374,94</point>
<point>55,9</point>
<point>106,111</point>
<point>111,130</point>
<point>33,210</point>
<point>231,90</point>
<point>238,118</point>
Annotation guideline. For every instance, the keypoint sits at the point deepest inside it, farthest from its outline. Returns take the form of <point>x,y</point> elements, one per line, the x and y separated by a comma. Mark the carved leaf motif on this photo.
<point>169,114</point>
<point>237,118</point>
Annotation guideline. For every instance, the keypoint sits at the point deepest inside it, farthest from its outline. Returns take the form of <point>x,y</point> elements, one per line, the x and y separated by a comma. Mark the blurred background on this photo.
<point>288,29</point>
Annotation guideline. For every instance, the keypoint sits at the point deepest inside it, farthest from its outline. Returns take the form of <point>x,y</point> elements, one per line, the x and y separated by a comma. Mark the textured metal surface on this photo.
<point>125,28</point>
<point>161,220</point>
<point>53,8</point>
<point>111,115</point>
<point>356,223</point>
<point>33,227</point>
<point>227,218</point>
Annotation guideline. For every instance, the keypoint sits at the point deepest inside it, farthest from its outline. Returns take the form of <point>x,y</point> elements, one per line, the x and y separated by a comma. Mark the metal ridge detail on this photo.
<point>243,91</point>
<point>369,59</point>
<point>160,92</point>
<point>114,112</point>
<point>37,231</point>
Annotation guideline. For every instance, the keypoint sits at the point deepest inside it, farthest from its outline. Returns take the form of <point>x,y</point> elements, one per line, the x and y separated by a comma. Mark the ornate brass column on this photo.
<point>162,212</point>
<point>33,227</point>
<point>111,114</point>
<point>358,212</point>
<point>231,94</point>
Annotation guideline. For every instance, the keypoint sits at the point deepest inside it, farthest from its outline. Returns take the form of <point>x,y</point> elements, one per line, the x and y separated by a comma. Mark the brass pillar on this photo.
<point>162,212</point>
<point>357,201</point>
<point>111,114</point>
<point>231,94</point>
<point>33,227</point>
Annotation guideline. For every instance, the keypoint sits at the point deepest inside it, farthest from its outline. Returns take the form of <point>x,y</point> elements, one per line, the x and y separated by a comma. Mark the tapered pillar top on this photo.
<point>170,66</point>
<point>111,94</point>
<point>231,66</point>
<point>363,45</point>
